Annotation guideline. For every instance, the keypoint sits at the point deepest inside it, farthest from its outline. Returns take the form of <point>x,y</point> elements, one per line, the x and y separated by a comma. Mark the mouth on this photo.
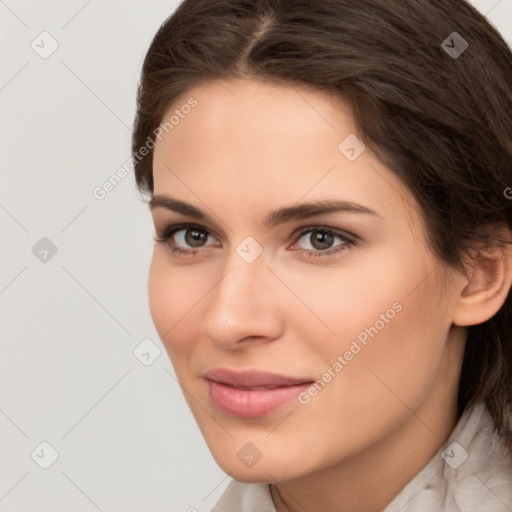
<point>252,393</point>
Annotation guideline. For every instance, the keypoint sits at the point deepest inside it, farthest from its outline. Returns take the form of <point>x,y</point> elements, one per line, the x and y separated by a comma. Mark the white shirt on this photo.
<point>472,471</point>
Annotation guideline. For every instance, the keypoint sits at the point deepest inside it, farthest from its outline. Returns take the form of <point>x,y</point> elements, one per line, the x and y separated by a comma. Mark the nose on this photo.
<point>243,306</point>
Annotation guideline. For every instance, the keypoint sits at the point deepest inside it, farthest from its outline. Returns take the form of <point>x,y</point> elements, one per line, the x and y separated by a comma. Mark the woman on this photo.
<point>330,187</point>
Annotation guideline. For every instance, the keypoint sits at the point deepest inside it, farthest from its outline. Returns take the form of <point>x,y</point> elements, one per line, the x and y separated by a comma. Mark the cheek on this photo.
<point>171,302</point>
<point>384,320</point>
<point>342,303</point>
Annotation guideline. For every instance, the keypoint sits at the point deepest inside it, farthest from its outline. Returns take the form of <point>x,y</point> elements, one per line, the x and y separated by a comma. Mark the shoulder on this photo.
<point>247,497</point>
<point>482,476</point>
<point>471,471</point>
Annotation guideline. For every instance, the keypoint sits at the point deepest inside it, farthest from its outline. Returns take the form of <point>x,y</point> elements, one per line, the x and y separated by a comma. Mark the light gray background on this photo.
<point>125,438</point>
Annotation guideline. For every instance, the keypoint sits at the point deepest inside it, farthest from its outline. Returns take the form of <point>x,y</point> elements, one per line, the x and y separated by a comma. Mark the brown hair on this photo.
<point>440,121</point>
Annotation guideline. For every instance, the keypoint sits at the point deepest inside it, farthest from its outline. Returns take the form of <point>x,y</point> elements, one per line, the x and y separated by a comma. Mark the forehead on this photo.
<point>230,111</point>
<point>256,143</point>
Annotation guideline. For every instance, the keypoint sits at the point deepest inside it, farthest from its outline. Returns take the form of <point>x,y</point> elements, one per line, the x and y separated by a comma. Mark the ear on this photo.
<point>486,285</point>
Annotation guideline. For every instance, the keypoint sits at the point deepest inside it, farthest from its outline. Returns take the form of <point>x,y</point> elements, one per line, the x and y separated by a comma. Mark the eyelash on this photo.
<point>167,234</point>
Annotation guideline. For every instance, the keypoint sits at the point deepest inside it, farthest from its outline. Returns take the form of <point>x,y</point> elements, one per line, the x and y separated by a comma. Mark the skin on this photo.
<point>250,147</point>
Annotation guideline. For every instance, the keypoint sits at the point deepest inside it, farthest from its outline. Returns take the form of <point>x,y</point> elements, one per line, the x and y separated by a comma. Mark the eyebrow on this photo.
<point>275,217</point>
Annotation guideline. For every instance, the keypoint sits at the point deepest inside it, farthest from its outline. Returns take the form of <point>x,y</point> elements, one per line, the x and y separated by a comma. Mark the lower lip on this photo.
<point>244,403</point>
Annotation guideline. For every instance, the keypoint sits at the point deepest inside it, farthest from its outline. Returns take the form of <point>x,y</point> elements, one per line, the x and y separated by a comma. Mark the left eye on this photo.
<point>321,240</point>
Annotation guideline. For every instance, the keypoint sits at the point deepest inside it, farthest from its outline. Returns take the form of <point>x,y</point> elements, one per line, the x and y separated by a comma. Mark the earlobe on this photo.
<point>486,286</point>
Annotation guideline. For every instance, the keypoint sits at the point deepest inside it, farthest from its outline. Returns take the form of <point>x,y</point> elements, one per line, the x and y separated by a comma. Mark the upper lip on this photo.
<point>252,378</point>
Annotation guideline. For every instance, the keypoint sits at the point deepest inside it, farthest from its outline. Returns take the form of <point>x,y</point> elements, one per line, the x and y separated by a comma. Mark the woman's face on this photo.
<point>344,301</point>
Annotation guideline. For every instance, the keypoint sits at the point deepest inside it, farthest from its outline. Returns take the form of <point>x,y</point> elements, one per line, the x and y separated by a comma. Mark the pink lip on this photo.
<point>252,393</point>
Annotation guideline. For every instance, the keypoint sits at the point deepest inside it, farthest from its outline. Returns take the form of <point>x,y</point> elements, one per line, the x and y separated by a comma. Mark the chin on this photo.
<point>276,466</point>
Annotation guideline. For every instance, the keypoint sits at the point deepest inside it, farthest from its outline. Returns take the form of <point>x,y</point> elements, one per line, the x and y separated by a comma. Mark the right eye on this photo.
<point>185,238</point>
